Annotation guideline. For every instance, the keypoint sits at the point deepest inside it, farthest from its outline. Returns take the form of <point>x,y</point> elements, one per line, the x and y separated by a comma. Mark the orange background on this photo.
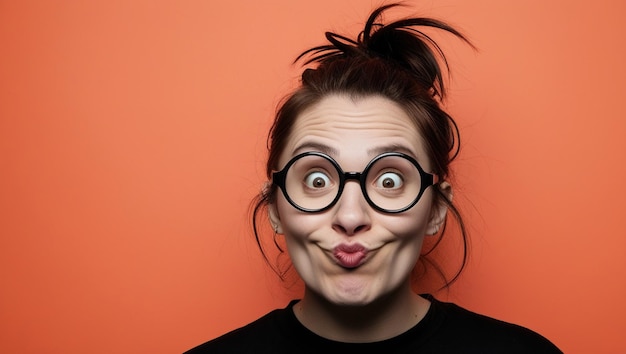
<point>132,138</point>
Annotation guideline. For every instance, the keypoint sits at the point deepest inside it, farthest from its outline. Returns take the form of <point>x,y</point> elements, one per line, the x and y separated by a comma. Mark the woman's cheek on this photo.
<point>299,225</point>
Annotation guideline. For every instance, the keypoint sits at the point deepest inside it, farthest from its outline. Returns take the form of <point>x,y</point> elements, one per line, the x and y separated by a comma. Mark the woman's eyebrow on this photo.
<point>312,146</point>
<point>391,148</point>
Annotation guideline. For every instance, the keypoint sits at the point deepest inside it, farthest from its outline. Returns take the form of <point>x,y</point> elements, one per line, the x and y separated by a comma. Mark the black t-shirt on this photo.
<point>446,328</point>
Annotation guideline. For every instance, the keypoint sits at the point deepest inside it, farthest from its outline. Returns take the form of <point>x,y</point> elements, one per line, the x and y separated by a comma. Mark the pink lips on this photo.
<point>350,256</point>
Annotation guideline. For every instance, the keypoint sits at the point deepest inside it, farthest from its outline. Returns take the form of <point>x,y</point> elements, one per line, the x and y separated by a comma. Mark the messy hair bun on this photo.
<point>398,42</point>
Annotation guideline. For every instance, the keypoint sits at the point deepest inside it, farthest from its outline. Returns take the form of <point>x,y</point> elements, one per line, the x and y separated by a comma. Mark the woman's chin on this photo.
<point>351,294</point>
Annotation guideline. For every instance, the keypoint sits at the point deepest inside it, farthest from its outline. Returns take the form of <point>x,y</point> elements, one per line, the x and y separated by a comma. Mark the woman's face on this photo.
<point>352,254</point>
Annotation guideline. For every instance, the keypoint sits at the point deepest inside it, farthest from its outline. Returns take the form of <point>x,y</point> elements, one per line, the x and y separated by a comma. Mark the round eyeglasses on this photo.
<point>392,182</point>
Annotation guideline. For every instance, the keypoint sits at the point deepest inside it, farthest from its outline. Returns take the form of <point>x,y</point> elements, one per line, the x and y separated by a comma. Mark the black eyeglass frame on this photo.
<point>427,179</point>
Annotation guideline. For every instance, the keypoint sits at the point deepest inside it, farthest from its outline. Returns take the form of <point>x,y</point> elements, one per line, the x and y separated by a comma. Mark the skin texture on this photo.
<point>374,300</point>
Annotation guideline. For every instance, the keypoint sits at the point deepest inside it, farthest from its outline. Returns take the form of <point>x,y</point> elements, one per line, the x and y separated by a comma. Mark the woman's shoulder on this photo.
<point>462,328</point>
<point>258,336</point>
<point>447,328</point>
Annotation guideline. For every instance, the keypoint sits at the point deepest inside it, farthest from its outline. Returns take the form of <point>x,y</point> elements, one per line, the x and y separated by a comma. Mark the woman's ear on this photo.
<point>438,214</point>
<point>274,218</point>
<point>272,211</point>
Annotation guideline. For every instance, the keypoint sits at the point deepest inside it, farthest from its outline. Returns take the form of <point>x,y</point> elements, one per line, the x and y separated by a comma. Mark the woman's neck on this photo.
<point>385,318</point>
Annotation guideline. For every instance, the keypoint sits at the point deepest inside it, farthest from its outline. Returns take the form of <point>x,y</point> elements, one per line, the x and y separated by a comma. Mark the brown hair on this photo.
<point>395,61</point>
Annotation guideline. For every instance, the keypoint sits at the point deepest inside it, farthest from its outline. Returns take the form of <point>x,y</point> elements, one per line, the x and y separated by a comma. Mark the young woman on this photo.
<point>358,166</point>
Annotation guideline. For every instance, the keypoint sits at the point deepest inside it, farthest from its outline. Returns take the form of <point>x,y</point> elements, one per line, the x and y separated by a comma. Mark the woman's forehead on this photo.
<point>339,125</point>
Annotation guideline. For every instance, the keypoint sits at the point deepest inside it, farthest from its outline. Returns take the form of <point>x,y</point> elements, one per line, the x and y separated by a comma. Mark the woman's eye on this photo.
<point>389,180</point>
<point>317,180</point>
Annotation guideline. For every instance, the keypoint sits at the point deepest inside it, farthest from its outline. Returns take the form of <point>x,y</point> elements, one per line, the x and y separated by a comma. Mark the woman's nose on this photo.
<point>352,212</point>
